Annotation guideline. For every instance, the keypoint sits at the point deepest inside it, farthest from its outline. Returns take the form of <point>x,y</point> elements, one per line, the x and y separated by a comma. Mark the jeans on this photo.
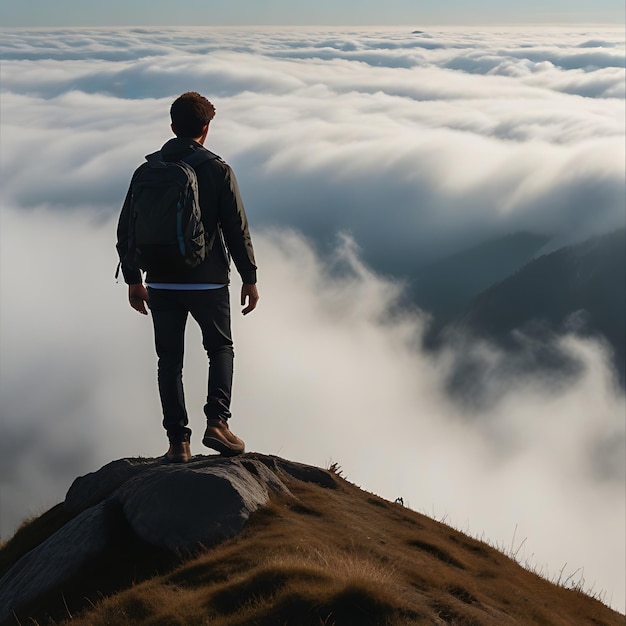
<point>211,310</point>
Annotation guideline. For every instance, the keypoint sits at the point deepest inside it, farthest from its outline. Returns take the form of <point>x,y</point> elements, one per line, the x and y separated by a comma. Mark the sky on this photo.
<point>362,155</point>
<point>39,13</point>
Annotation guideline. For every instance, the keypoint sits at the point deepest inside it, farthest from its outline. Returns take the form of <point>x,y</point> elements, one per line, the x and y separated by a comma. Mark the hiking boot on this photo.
<point>218,436</point>
<point>179,452</point>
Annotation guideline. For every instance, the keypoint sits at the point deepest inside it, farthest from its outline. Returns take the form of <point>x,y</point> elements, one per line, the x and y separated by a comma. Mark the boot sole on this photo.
<point>177,459</point>
<point>221,447</point>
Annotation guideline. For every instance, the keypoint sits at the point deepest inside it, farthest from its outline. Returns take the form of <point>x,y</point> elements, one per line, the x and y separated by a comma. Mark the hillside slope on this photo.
<point>446,288</point>
<point>587,279</point>
<point>317,555</point>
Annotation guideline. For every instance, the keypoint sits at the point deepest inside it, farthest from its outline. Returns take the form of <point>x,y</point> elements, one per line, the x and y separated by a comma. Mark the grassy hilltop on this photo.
<point>338,556</point>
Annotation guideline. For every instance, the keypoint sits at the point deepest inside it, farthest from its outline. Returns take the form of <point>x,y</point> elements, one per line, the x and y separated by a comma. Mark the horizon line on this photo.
<point>535,24</point>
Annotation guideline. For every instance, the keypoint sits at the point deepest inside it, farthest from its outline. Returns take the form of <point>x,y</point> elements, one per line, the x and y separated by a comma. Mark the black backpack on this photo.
<point>165,230</point>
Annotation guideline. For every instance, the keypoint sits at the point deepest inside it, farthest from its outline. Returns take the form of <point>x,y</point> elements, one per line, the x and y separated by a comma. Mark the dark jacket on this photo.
<point>222,213</point>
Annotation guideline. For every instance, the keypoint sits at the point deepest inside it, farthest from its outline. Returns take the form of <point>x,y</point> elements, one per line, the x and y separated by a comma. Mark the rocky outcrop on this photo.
<point>174,507</point>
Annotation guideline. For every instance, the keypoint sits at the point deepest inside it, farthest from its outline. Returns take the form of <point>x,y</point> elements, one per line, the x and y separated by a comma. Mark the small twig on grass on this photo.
<point>335,468</point>
<point>519,548</point>
<point>90,602</point>
<point>66,607</point>
<point>571,576</point>
<point>512,552</point>
<point>513,540</point>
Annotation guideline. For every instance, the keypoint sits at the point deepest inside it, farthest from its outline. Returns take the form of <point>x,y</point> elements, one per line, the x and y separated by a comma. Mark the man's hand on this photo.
<point>250,295</point>
<point>138,296</point>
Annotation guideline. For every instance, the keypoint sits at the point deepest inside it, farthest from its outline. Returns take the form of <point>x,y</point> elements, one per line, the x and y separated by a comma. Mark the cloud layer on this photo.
<point>325,372</point>
<point>416,144</point>
<point>361,157</point>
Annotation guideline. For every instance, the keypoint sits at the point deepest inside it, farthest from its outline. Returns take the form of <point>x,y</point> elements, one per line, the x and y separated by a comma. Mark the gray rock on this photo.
<point>96,486</point>
<point>200,503</point>
<point>176,507</point>
<point>56,559</point>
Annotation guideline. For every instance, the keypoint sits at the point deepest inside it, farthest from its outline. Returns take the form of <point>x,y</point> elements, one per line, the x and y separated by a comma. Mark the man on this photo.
<point>202,291</point>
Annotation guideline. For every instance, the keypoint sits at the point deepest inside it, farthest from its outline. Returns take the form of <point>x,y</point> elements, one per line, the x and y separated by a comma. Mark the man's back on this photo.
<point>172,292</point>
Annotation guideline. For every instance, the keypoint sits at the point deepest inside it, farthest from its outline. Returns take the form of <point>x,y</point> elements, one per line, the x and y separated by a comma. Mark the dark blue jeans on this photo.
<point>211,310</point>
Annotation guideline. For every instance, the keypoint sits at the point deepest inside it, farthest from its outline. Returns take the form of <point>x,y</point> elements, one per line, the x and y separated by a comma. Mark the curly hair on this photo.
<point>190,112</point>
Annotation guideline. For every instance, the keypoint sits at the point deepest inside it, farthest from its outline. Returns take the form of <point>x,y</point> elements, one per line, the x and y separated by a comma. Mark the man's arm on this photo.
<point>137,293</point>
<point>234,224</point>
<point>131,275</point>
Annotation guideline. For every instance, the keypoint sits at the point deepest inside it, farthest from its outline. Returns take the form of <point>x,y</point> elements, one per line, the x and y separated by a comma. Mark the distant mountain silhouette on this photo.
<point>580,287</point>
<point>446,288</point>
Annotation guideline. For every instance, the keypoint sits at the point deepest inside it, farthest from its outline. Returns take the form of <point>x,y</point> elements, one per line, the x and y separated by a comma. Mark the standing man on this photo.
<point>171,293</point>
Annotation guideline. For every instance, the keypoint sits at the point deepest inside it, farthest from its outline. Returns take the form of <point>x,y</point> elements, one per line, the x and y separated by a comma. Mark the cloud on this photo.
<point>327,369</point>
<point>415,159</point>
<point>145,55</point>
<point>408,147</point>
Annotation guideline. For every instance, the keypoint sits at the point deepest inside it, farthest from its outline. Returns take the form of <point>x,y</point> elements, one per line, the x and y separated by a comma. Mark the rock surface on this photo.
<point>175,507</point>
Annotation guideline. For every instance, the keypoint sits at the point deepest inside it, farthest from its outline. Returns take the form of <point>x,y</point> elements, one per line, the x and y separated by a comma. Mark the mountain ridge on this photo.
<point>579,288</point>
<point>320,551</point>
<point>445,288</point>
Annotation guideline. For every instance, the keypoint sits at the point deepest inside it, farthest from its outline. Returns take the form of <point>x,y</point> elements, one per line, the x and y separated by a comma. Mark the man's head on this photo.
<point>191,114</point>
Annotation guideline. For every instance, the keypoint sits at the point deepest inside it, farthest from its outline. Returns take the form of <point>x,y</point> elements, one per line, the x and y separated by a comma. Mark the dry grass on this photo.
<point>31,533</point>
<point>330,557</point>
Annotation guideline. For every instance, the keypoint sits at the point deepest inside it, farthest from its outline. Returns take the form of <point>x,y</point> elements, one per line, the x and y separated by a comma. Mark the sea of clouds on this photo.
<point>362,155</point>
